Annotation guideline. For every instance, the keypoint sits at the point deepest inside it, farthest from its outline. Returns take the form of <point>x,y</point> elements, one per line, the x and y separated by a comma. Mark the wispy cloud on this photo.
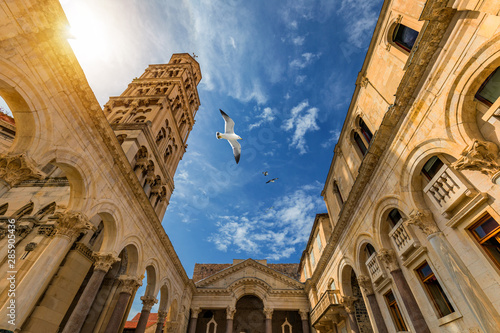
<point>301,122</point>
<point>305,60</point>
<point>361,17</point>
<point>299,40</point>
<point>268,114</point>
<point>334,137</point>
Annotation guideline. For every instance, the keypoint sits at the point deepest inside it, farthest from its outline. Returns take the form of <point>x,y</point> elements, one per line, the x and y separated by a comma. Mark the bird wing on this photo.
<point>236,149</point>
<point>229,128</point>
<point>268,181</point>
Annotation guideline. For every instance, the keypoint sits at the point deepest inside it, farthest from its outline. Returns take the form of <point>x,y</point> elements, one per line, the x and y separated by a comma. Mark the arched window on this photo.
<point>490,89</point>
<point>369,250</point>
<point>23,211</point>
<point>394,217</point>
<point>45,211</point>
<point>365,131</point>
<point>140,119</point>
<point>404,37</point>
<point>360,143</point>
<point>430,169</point>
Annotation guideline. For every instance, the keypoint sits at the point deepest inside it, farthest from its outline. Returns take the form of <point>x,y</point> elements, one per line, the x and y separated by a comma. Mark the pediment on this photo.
<point>246,271</point>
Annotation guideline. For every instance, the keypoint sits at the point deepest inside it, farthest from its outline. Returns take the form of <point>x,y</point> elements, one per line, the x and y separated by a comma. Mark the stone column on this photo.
<point>230,311</point>
<point>305,321</point>
<point>269,319</point>
<point>162,315</point>
<point>128,286</point>
<point>388,257</point>
<point>70,226</point>
<point>194,319</point>
<point>103,262</point>
<point>471,291</point>
<point>366,285</point>
<point>348,303</point>
<point>147,304</point>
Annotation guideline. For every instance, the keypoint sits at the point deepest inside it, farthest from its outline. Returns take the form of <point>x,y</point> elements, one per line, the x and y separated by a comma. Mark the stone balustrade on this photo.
<point>374,268</point>
<point>328,299</point>
<point>404,239</point>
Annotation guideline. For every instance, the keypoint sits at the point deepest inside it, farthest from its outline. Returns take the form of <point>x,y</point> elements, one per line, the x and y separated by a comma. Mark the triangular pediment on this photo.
<point>246,271</point>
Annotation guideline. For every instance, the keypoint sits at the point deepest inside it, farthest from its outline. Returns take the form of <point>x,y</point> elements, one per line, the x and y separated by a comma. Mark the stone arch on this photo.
<point>164,295</point>
<point>362,242</point>
<point>250,286</point>
<point>24,210</point>
<point>46,210</point>
<point>249,316</point>
<point>173,309</point>
<point>345,278</point>
<point>382,209</point>
<point>108,213</point>
<point>131,252</point>
<point>152,277</point>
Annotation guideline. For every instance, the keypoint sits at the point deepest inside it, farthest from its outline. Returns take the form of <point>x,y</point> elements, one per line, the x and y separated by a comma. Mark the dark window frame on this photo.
<point>431,279</point>
<point>359,142</point>
<point>396,315</point>
<point>398,40</point>
<point>495,233</point>
<point>478,96</point>
<point>429,174</point>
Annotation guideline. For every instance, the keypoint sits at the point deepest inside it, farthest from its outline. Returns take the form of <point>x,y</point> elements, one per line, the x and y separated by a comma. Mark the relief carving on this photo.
<point>348,303</point>
<point>104,261</point>
<point>148,302</point>
<point>129,284</point>
<point>17,168</point>
<point>423,220</point>
<point>72,224</point>
<point>366,284</point>
<point>388,258</point>
<point>479,156</point>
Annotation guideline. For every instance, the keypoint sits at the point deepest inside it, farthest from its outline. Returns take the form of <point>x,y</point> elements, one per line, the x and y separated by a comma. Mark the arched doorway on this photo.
<point>249,317</point>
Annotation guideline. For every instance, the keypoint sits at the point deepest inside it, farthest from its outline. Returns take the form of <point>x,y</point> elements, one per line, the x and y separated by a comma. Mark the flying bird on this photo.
<point>271,180</point>
<point>265,173</point>
<point>230,136</point>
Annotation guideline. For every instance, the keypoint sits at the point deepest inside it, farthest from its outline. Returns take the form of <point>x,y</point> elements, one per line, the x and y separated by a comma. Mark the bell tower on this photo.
<point>152,120</point>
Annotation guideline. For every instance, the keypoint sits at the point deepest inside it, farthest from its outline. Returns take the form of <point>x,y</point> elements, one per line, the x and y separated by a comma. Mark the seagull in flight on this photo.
<point>230,136</point>
<point>265,173</point>
<point>271,180</point>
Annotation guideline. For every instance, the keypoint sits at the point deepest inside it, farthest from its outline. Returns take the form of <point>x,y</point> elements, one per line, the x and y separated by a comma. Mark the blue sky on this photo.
<point>283,70</point>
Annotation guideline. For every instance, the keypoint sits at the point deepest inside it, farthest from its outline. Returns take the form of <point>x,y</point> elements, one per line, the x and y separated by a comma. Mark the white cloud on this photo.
<point>267,115</point>
<point>305,60</point>
<point>299,40</point>
<point>334,137</point>
<point>300,78</point>
<point>361,17</point>
<point>302,123</point>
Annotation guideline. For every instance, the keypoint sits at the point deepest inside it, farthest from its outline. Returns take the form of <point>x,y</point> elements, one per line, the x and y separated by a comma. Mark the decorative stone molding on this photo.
<point>129,284</point>
<point>303,314</point>
<point>268,312</point>
<point>230,311</point>
<point>479,156</point>
<point>104,261</point>
<point>423,220</point>
<point>83,250</point>
<point>388,258</point>
<point>195,312</point>
<point>348,303</point>
<point>162,315</point>
<point>71,224</point>
<point>148,302</point>
<point>46,230</point>
<point>30,247</point>
<point>366,284</point>
<point>17,168</point>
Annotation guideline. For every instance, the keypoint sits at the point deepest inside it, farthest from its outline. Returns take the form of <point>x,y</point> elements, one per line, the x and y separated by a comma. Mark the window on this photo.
<point>313,262</point>
<point>404,37</point>
<point>318,242</point>
<point>337,193</point>
<point>395,312</point>
<point>434,290</point>
<point>369,250</point>
<point>487,233</point>
<point>360,143</point>
<point>394,217</point>
<point>432,166</point>
<point>490,89</point>
<point>365,131</point>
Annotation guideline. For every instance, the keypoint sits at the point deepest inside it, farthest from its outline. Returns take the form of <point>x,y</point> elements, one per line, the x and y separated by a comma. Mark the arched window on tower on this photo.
<point>489,91</point>
<point>367,134</point>
<point>404,37</point>
<point>359,142</point>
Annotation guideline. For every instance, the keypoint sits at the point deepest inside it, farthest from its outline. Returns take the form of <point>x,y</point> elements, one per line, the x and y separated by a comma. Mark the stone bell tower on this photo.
<point>152,119</point>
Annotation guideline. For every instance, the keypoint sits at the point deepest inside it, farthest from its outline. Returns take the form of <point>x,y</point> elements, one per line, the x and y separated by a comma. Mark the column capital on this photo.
<point>148,302</point>
<point>230,311</point>
<point>104,261</point>
<point>423,220</point>
<point>71,224</point>
<point>388,258</point>
<point>303,314</point>
<point>348,303</point>
<point>195,312</point>
<point>162,315</point>
<point>129,284</point>
<point>366,284</point>
<point>17,168</point>
<point>268,312</point>
<point>479,156</point>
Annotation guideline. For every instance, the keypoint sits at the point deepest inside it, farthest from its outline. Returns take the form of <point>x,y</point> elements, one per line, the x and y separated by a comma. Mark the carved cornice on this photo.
<point>17,168</point>
<point>148,302</point>
<point>104,261</point>
<point>388,258</point>
<point>366,284</point>
<point>423,220</point>
<point>72,224</point>
<point>390,125</point>
<point>479,156</point>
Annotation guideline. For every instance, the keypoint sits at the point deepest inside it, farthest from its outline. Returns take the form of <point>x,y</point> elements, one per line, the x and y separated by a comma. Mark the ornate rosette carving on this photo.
<point>269,313</point>
<point>104,261</point>
<point>479,156</point>
<point>129,284</point>
<point>17,168</point>
<point>423,220</point>
<point>148,302</point>
<point>348,303</point>
<point>388,258</point>
<point>71,224</point>
<point>230,311</point>
<point>366,284</point>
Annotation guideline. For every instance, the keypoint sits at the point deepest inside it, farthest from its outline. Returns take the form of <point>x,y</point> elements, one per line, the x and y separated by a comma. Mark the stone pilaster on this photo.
<point>147,304</point>
<point>103,262</point>
<point>128,286</point>
<point>230,311</point>
<point>304,317</point>
<point>348,303</point>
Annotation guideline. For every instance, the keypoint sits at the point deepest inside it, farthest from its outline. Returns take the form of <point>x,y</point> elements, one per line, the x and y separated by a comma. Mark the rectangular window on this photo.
<point>313,263</point>
<point>434,290</point>
<point>395,312</point>
<point>487,233</point>
<point>318,241</point>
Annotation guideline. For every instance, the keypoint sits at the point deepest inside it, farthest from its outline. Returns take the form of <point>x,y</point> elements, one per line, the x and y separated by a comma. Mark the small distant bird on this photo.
<point>265,173</point>
<point>271,180</point>
<point>230,136</point>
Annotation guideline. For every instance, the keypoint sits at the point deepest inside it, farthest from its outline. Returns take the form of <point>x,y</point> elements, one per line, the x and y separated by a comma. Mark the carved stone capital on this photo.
<point>72,224</point>
<point>129,284</point>
<point>148,302</point>
<point>269,313</point>
<point>17,168</point>
<point>303,314</point>
<point>104,261</point>
<point>423,220</point>
<point>195,312</point>
<point>388,258</point>
<point>230,311</point>
<point>348,303</point>
<point>366,284</point>
<point>479,156</point>
<point>162,315</point>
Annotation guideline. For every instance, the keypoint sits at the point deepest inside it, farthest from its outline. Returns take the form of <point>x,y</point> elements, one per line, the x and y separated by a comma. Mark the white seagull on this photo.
<point>230,136</point>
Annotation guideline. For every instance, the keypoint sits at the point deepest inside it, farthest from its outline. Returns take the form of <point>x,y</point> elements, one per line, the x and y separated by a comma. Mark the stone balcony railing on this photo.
<point>446,190</point>
<point>328,299</point>
<point>403,239</point>
<point>375,268</point>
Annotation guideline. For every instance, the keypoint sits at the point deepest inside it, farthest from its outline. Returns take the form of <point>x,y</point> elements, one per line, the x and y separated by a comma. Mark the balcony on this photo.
<point>446,190</point>
<point>328,303</point>
<point>403,239</point>
<point>375,269</point>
